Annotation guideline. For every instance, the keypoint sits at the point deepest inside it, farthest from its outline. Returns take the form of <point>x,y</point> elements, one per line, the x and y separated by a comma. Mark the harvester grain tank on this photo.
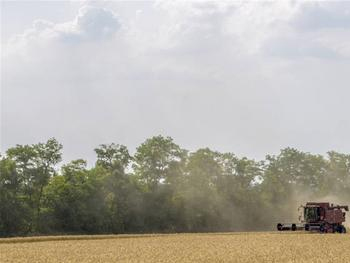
<point>319,217</point>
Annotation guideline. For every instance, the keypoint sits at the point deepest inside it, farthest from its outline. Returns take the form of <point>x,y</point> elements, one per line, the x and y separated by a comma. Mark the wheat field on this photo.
<point>224,247</point>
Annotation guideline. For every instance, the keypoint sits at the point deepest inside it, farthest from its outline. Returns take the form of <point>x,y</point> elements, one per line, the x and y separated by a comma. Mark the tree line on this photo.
<point>161,188</point>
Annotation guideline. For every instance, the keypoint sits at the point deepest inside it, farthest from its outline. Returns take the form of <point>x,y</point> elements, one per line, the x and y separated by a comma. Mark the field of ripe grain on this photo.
<point>225,247</point>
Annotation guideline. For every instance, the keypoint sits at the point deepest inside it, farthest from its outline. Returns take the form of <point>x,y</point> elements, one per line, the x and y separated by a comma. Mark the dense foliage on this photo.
<point>161,188</point>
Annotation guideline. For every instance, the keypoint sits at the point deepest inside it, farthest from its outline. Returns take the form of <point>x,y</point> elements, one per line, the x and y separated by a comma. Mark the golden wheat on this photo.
<point>225,247</point>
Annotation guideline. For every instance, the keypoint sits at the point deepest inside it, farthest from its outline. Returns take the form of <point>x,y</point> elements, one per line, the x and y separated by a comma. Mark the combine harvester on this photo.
<point>319,217</point>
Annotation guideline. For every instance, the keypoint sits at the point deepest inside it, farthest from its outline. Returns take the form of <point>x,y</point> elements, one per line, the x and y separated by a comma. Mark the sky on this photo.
<point>244,77</point>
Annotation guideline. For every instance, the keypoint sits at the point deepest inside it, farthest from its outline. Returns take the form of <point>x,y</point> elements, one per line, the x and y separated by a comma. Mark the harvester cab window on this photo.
<point>312,213</point>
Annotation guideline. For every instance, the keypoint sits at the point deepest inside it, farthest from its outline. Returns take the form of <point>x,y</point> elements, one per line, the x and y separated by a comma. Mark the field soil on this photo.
<point>220,247</point>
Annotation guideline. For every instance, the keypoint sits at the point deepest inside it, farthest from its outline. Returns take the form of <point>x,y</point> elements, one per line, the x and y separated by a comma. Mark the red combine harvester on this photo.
<point>319,217</point>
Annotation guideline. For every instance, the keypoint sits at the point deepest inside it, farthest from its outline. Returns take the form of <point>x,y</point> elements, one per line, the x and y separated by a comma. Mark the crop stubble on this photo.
<point>225,247</point>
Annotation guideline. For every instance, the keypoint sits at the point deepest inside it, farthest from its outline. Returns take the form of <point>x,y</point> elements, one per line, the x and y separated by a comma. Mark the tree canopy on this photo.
<point>160,188</point>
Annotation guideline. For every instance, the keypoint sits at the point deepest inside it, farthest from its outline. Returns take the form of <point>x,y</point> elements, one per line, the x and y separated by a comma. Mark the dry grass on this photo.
<point>226,247</point>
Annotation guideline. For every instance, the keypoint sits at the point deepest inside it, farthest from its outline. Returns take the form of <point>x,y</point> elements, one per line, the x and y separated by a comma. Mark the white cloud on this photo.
<point>283,28</point>
<point>93,24</point>
<point>313,16</point>
<point>268,28</point>
<point>239,76</point>
<point>90,24</point>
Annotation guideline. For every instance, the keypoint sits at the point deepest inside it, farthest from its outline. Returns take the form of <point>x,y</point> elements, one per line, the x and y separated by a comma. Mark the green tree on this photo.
<point>159,166</point>
<point>35,164</point>
<point>156,160</point>
<point>239,191</point>
<point>337,176</point>
<point>75,200</point>
<point>202,200</point>
<point>14,215</point>
<point>112,154</point>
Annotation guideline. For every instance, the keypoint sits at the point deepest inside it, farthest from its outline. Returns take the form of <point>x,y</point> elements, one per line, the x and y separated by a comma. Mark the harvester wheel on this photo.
<point>294,227</point>
<point>343,229</point>
<point>322,229</point>
<point>307,227</point>
<point>339,229</point>
<point>335,229</point>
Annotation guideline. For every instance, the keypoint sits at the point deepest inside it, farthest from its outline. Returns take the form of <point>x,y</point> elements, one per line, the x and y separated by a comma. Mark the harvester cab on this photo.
<point>319,217</point>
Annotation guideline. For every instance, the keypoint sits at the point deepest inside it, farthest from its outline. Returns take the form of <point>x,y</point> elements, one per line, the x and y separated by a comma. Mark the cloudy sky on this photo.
<point>245,77</point>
